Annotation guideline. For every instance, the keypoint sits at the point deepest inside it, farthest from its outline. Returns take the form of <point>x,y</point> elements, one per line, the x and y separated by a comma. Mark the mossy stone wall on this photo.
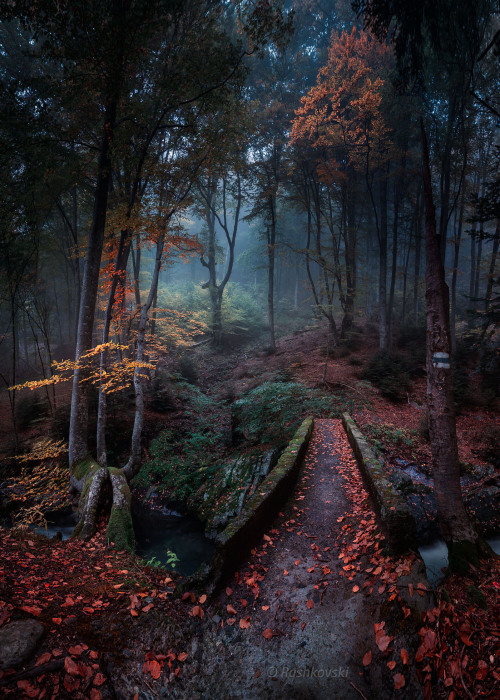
<point>234,543</point>
<point>395,514</point>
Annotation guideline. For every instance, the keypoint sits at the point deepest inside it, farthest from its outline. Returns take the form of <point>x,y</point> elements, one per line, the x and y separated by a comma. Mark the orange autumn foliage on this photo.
<point>341,117</point>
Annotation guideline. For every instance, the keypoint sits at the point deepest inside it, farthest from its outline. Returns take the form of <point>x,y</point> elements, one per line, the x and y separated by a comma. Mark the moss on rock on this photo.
<point>120,529</point>
<point>221,497</point>
<point>82,468</point>
<point>239,535</point>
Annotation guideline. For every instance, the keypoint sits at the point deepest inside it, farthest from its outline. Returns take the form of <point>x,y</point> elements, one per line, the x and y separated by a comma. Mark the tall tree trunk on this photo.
<point>271,243</point>
<point>398,190</point>
<point>472,277</point>
<point>78,448</point>
<point>134,461</point>
<point>350,261</point>
<point>456,528</point>
<point>456,255</point>
<point>122,256</point>
<point>479,255</point>
<point>382,280</point>
<point>491,272</point>
<point>136,264</point>
<point>418,254</point>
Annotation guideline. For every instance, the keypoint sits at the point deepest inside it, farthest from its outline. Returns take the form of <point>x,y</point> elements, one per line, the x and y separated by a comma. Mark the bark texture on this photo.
<point>454,522</point>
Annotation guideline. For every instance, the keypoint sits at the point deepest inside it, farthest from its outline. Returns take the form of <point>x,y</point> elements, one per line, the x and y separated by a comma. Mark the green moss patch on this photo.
<point>239,536</point>
<point>82,468</point>
<point>120,529</point>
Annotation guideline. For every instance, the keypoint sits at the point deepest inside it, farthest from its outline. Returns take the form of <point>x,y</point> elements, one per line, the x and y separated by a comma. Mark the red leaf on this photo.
<point>154,669</point>
<point>267,633</point>
<point>29,689</point>
<point>43,658</point>
<point>404,656</point>
<point>429,640</point>
<point>95,694</point>
<point>182,656</point>
<point>230,610</point>
<point>482,670</point>
<point>77,650</point>
<point>202,599</point>
<point>399,681</point>
<point>32,610</point>
<point>99,679</point>
<point>245,623</point>
<point>71,667</point>
<point>383,641</point>
<point>310,604</point>
<point>465,639</point>
<point>391,665</point>
<point>367,658</point>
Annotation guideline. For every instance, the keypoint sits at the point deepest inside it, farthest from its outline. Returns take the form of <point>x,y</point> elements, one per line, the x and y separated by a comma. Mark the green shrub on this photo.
<point>390,374</point>
<point>180,460</point>
<point>273,411</point>
<point>385,435</point>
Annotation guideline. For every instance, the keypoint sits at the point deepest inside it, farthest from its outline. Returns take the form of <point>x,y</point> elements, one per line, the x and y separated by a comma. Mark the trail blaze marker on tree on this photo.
<point>441,360</point>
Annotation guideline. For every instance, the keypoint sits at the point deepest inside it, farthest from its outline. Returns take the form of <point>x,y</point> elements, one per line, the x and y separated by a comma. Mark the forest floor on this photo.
<point>318,610</point>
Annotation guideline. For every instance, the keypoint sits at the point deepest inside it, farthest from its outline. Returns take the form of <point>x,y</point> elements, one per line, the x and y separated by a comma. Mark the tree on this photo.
<point>341,121</point>
<point>425,35</point>
<point>219,198</point>
<point>92,55</point>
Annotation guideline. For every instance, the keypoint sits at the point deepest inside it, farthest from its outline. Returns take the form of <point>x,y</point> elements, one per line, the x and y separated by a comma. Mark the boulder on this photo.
<point>18,642</point>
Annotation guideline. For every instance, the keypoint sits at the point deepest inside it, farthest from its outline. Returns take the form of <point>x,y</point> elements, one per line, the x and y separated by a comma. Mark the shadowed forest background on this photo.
<point>219,218</point>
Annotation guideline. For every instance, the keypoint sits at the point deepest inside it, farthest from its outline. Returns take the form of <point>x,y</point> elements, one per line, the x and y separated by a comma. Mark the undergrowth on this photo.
<point>385,435</point>
<point>274,410</point>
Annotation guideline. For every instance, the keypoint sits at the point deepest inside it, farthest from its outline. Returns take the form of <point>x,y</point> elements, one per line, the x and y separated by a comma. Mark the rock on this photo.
<point>226,496</point>
<point>18,642</point>
<point>423,600</point>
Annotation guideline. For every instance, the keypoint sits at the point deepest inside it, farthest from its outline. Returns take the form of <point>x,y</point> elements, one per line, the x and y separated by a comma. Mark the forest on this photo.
<point>249,349</point>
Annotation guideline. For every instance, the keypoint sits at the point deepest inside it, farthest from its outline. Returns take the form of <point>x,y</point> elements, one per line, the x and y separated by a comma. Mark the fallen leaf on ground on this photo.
<point>399,681</point>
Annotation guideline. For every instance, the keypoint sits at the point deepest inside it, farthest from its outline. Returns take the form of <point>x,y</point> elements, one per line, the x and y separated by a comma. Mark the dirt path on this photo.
<point>296,587</point>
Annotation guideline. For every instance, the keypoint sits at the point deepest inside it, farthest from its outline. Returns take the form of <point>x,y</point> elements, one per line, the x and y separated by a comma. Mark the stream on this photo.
<point>156,535</point>
<point>435,556</point>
